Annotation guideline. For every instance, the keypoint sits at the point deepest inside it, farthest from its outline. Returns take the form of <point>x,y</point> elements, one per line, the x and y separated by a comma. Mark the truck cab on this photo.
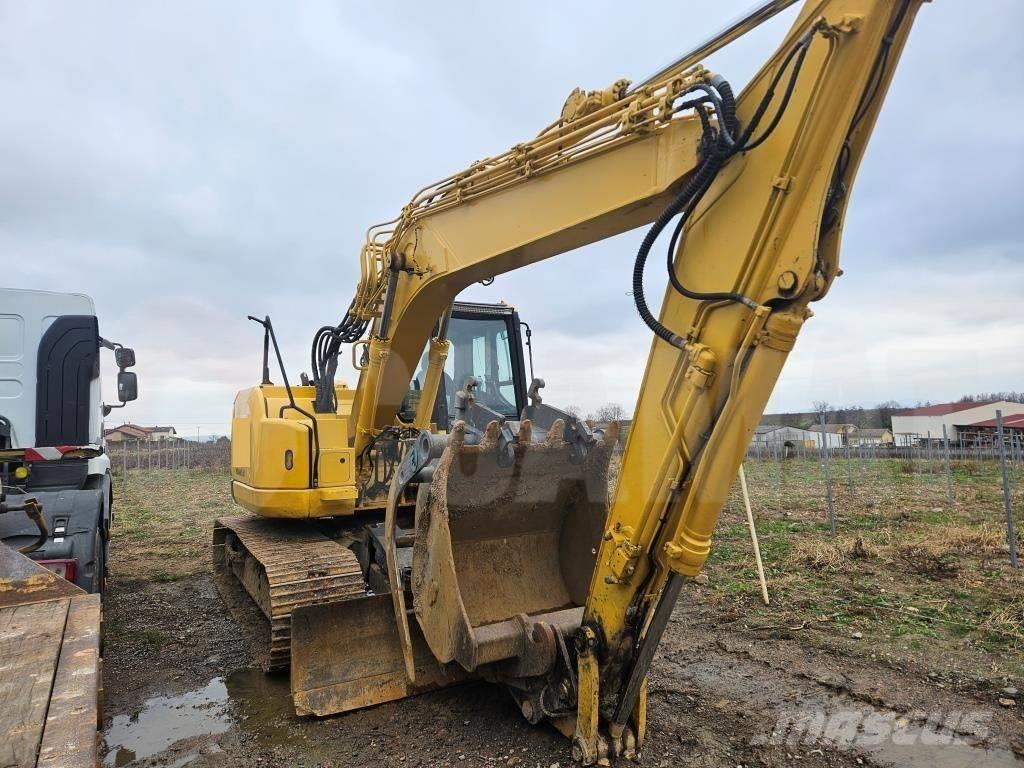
<point>51,428</point>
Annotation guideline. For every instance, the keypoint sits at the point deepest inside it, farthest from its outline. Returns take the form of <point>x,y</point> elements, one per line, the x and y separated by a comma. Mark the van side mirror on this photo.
<point>124,357</point>
<point>127,386</point>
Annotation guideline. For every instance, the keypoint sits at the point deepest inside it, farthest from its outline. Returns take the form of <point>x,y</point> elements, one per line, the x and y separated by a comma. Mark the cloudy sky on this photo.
<point>189,163</point>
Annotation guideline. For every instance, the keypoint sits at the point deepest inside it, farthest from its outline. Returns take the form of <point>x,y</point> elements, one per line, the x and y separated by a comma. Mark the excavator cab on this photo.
<point>486,344</point>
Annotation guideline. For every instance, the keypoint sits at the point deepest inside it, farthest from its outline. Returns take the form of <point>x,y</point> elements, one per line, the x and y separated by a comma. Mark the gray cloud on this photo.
<point>189,164</point>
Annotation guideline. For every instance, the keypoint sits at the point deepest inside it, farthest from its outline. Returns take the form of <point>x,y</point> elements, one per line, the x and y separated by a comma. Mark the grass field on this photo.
<point>163,522</point>
<point>908,575</point>
<point>918,578</point>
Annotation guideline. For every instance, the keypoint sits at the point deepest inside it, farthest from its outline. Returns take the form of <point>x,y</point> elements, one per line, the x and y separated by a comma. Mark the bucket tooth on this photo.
<point>489,440</point>
<point>555,436</point>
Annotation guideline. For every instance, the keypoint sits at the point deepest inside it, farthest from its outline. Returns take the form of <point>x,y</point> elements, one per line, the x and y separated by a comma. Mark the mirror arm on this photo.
<point>108,408</point>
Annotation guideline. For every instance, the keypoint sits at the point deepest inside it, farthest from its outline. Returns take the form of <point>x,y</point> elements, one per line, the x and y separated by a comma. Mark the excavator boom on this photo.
<point>500,549</point>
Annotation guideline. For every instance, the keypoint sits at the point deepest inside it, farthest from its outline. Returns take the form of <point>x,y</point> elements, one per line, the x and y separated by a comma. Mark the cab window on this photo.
<point>480,347</point>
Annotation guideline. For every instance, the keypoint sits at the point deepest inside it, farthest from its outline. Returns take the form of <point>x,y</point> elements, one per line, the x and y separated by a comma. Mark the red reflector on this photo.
<point>66,569</point>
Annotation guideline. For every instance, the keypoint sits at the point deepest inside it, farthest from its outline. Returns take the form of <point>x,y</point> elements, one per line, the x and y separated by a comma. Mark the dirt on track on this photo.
<point>180,688</point>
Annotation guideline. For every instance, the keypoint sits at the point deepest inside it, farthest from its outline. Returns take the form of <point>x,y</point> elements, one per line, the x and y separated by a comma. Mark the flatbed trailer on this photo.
<point>50,668</point>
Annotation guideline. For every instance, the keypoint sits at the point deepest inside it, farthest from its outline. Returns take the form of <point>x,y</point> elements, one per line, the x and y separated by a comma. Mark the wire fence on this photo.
<point>930,452</point>
<point>143,455</point>
<point>847,475</point>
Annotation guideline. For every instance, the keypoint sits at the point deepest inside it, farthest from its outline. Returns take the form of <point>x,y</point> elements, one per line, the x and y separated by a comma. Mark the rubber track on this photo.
<point>295,565</point>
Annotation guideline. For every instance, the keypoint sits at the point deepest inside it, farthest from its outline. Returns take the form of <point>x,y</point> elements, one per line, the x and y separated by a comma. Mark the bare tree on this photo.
<point>573,410</point>
<point>610,412</point>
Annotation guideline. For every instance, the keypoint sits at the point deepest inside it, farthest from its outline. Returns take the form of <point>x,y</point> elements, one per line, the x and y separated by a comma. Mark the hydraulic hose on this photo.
<point>326,346</point>
<point>718,148</point>
<point>717,152</point>
<point>35,512</point>
<point>31,507</point>
<point>728,104</point>
<point>706,172</point>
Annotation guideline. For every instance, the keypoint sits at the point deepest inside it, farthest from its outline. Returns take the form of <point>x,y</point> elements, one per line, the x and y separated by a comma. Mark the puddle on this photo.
<point>165,720</point>
<point>262,705</point>
<point>254,701</point>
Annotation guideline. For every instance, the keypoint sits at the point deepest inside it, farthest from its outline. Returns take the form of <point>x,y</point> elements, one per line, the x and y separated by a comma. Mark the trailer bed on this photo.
<point>50,668</point>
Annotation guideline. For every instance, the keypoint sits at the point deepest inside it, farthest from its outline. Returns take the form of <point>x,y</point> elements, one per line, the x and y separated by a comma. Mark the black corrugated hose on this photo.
<point>717,147</point>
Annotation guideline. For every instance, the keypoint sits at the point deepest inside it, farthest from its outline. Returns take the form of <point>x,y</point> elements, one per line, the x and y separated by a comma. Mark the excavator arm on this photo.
<point>498,526</point>
<point>760,183</point>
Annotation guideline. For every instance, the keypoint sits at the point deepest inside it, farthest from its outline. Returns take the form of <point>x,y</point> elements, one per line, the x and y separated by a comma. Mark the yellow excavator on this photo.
<point>441,522</point>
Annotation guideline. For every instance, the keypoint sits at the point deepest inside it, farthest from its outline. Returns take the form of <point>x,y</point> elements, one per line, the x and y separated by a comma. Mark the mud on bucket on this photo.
<point>494,543</point>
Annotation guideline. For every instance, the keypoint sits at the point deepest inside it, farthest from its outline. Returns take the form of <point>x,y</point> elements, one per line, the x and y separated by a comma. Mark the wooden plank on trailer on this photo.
<point>25,581</point>
<point>70,736</point>
<point>30,641</point>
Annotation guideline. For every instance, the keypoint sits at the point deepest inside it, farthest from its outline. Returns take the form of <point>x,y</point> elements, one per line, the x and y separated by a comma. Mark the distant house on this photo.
<point>982,431</point>
<point>865,436</point>
<point>777,435</point>
<point>835,435</point>
<point>135,433</point>
<point>970,421</point>
<point>125,433</point>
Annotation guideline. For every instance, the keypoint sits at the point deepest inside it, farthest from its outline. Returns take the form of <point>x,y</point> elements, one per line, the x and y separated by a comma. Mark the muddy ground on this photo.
<point>853,650</point>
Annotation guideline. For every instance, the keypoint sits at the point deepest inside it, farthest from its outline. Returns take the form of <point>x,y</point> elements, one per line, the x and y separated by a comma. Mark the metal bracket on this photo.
<point>534,392</point>
<point>625,555</point>
<point>364,362</point>
<point>424,450</point>
<point>850,23</point>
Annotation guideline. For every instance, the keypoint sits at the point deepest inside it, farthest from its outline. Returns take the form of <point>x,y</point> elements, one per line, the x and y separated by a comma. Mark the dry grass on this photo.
<point>932,551</point>
<point>926,579</point>
<point>1008,618</point>
<point>163,521</point>
<point>839,554</point>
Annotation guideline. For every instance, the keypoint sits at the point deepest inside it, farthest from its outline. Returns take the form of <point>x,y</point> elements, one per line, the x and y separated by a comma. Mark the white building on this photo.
<point>916,424</point>
<point>836,435</point>
<point>791,437</point>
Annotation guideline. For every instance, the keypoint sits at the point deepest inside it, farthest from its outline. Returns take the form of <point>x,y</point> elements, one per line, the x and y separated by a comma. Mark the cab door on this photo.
<point>487,345</point>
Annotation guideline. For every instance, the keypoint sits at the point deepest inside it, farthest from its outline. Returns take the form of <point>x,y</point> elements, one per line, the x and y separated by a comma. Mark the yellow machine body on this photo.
<point>276,470</point>
<point>760,243</point>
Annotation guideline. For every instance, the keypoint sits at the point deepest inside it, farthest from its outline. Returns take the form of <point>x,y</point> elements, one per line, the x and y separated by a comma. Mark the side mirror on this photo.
<point>127,386</point>
<point>125,358</point>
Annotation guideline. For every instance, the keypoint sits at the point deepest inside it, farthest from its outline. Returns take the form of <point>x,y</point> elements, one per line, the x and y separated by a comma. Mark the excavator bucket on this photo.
<point>499,545</point>
<point>347,655</point>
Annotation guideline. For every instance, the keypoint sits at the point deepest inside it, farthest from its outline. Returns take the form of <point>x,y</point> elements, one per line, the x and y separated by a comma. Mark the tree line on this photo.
<point>872,417</point>
<point>877,417</point>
